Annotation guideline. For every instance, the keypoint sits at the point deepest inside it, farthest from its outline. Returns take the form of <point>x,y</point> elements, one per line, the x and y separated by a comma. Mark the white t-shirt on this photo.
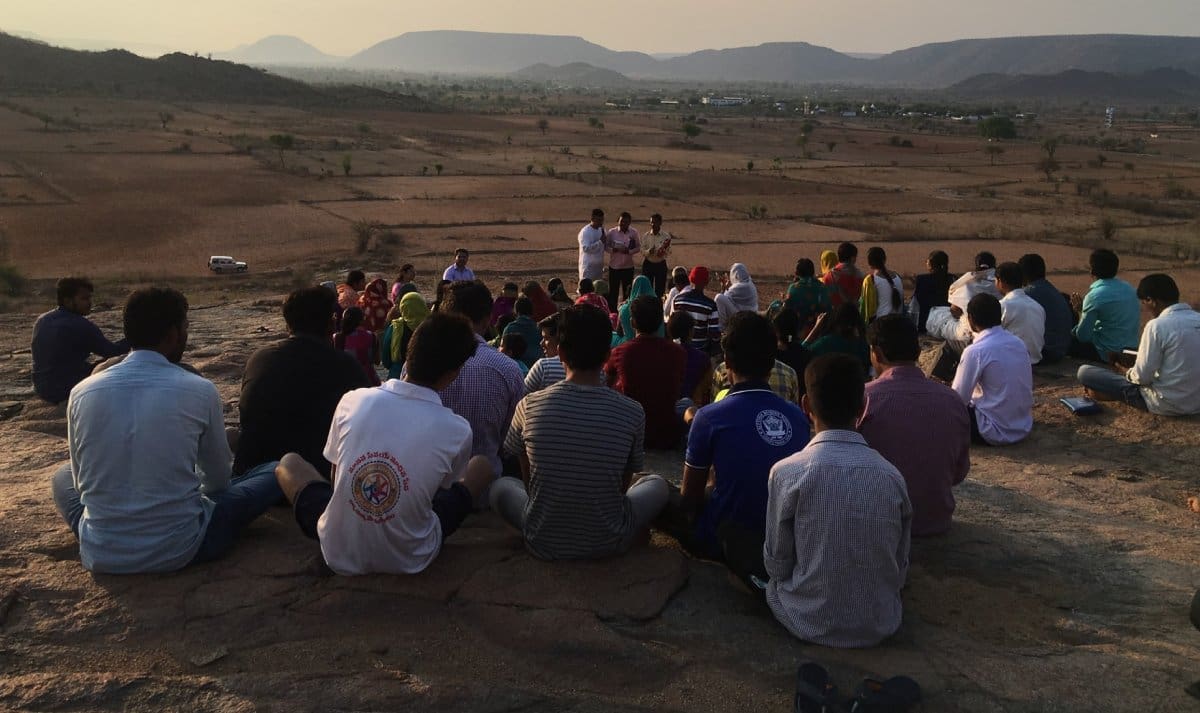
<point>1026,319</point>
<point>394,447</point>
<point>591,252</point>
<point>884,288</point>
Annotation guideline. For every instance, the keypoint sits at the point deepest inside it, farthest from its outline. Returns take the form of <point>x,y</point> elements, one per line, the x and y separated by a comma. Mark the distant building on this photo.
<point>724,101</point>
<point>1109,115</point>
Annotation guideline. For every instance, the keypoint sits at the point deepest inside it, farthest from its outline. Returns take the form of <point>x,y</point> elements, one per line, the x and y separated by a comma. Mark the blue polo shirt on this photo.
<point>1111,318</point>
<point>741,437</point>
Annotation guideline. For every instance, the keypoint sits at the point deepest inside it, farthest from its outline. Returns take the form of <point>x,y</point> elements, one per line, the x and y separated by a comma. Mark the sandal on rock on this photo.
<point>895,695</point>
<point>815,693</point>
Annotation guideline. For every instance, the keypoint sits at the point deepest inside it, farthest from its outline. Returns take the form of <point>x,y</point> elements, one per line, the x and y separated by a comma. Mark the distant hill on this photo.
<point>771,62</point>
<point>1154,85</point>
<point>492,53</point>
<point>279,49</point>
<point>576,74</point>
<point>945,63</point>
<point>33,67</point>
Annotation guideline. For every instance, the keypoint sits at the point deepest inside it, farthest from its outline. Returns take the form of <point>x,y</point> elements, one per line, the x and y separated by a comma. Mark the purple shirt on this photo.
<point>486,393</point>
<point>930,451</point>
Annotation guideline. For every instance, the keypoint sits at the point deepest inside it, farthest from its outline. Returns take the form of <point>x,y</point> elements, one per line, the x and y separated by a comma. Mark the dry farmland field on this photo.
<point>1062,586</point>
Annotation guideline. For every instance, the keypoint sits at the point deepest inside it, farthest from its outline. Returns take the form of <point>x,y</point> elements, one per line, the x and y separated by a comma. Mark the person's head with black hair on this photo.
<point>893,341</point>
<point>597,218</point>
<point>584,338</point>
<point>877,260</point>
<point>655,222</point>
<point>156,319</point>
<point>1033,267</point>
<point>749,346</point>
<point>356,279</point>
<point>1158,292</point>
<point>461,256</point>
<point>352,319</point>
<point>1104,264</point>
<point>984,312</point>
<point>407,272</point>
<point>805,268</point>
<point>679,277</point>
<point>438,349</point>
<point>513,345</point>
<point>439,295</point>
<point>680,326</point>
<point>938,264</point>
<point>75,294</point>
<point>646,314</point>
<point>847,252</point>
<point>847,321</point>
<point>523,307</point>
<point>624,221</point>
<point>1009,277</point>
<point>985,261</point>
<point>310,311</point>
<point>834,396</point>
<point>787,325</point>
<point>554,285</point>
<point>549,330</point>
<point>586,286</point>
<point>503,321</point>
<point>472,300</point>
<point>511,289</point>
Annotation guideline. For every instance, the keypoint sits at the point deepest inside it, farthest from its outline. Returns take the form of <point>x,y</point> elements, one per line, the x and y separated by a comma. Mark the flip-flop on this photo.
<point>895,695</point>
<point>815,693</point>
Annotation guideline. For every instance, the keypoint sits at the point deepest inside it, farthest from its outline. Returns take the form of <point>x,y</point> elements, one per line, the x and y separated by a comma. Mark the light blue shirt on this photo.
<point>1111,317</point>
<point>147,438</point>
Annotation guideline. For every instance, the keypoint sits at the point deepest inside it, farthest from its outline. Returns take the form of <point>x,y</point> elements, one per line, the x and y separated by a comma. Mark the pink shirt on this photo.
<point>615,242</point>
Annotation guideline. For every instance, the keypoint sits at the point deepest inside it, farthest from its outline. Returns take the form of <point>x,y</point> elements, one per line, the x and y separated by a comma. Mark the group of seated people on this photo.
<point>807,481</point>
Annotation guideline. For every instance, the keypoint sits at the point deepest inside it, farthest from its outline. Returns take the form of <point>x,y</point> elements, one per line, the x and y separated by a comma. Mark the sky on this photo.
<point>348,26</point>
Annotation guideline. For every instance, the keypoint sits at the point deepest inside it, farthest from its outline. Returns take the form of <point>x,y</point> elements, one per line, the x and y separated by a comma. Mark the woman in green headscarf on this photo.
<point>642,286</point>
<point>413,311</point>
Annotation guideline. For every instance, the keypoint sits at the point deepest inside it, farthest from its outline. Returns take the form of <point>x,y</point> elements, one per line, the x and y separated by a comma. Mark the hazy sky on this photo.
<point>647,25</point>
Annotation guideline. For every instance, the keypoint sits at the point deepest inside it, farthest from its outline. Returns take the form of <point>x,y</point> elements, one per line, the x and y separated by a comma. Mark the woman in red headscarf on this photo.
<point>375,305</point>
<point>543,306</point>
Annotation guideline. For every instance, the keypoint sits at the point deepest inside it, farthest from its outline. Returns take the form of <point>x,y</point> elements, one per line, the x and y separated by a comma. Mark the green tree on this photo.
<point>593,122</point>
<point>529,169</point>
<point>1050,146</point>
<point>749,165</point>
<point>998,127</point>
<point>438,167</point>
<point>691,131</point>
<point>1048,166</point>
<point>993,150</point>
<point>164,118</point>
<point>831,145</point>
<point>282,142</point>
<point>346,161</point>
<point>542,125</point>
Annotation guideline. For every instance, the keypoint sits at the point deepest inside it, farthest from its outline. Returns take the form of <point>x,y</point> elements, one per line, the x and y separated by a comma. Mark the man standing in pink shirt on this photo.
<point>623,242</point>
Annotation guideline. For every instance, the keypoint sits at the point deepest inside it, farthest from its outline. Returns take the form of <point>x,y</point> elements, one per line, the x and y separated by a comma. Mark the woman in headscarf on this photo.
<point>375,305</point>
<point>558,294</point>
<point>828,262</point>
<point>739,296</point>
<point>642,286</point>
<point>413,311</point>
<point>543,306</point>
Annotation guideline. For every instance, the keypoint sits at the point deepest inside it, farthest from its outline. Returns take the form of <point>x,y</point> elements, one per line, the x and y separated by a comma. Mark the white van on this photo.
<point>224,263</point>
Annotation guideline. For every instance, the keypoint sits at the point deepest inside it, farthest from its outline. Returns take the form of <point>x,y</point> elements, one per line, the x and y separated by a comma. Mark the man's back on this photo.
<point>138,432</point>
<point>995,377</point>
<point>1026,319</point>
<point>649,370</point>
<point>395,446</point>
<point>706,329</point>
<point>931,452</point>
<point>62,343</point>
<point>837,542</point>
<point>1111,316</point>
<point>580,441</point>
<point>486,393</point>
<point>1171,363</point>
<point>741,437</point>
<point>1059,319</point>
<point>289,393</point>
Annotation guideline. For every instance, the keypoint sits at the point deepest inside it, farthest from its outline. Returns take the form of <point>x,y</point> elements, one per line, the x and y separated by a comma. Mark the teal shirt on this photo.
<point>1111,318</point>
<point>837,344</point>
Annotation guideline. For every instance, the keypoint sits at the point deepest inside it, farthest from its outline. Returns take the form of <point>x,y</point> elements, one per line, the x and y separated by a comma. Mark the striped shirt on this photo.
<point>706,332</point>
<point>837,542</point>
<point>580,441</point>
<point>544,372</point>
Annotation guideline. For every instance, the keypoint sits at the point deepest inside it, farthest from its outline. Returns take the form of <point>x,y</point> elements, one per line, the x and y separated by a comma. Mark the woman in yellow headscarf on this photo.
<point>828,262</point>
<point>413,311</point>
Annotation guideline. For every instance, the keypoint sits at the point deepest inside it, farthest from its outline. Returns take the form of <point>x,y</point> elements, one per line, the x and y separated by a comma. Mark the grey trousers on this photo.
<point>1106,381</point>
<point>647,497</point>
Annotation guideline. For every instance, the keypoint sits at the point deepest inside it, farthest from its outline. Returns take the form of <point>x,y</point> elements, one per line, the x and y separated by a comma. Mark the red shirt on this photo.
<point>845,284</point>
<point>594,300</point>
<point>649,370</point>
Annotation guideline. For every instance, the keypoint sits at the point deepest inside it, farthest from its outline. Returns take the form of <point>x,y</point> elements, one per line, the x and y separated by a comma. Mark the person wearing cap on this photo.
<point>706,329</point>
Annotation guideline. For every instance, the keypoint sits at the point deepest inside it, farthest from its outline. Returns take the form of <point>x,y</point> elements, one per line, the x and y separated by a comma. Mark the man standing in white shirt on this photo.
<point>148,487</point>
<point>591,247</point>
<point>459,270</point>
<point>1164,379</point>
<point>397,493</point>
<point>994,378</point>
<point>656,250</point>
<point>1021,315</point>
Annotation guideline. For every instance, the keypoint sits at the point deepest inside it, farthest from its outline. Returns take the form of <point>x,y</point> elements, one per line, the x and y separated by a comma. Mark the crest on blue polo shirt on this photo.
<point>773,427</point>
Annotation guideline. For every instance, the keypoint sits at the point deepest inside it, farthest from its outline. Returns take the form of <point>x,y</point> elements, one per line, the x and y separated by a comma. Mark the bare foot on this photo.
<point>1194,504</point>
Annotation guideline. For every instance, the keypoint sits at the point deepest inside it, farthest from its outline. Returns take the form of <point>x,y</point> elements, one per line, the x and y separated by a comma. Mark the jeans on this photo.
<point>647,497</point>
<point>657,272</point>
<point>1108,382</point>
<point>620,282</point>
<point>234,508</point>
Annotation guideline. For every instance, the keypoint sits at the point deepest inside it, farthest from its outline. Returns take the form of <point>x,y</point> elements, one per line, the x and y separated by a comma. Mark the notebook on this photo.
<point>1081,405</point>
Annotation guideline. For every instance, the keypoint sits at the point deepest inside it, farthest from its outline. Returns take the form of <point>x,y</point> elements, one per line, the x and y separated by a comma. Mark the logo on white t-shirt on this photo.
<point>773,428</point>
<point>376,480</point>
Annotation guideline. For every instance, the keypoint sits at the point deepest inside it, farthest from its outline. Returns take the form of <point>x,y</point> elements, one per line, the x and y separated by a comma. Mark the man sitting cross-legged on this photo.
<point>1020,314</point>
<point>64,338</point>
<point>994,378</point>
<point>649,369</point>
<point>932,451</point>
<point>148,486</point>
<point>579,444</point>
<point>838,522</point>
<point>1164,377</point>
<point>403,475</point>
<point>731,447</point>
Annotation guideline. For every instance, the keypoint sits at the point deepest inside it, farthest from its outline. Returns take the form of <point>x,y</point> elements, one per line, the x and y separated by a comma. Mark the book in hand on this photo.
<point>1081,405</point>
